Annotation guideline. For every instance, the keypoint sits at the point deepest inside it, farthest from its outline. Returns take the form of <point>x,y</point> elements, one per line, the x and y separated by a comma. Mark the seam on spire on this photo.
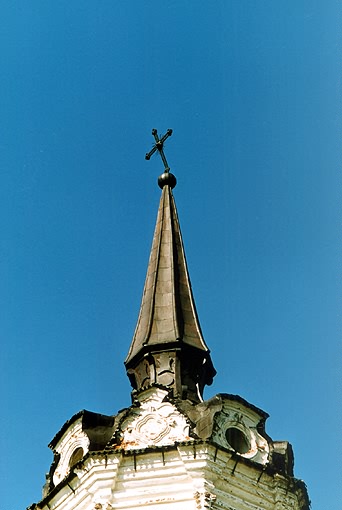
<point>155,276</point>
<point>131,352</point>
<point>183,262</point>
<point>175,311</point>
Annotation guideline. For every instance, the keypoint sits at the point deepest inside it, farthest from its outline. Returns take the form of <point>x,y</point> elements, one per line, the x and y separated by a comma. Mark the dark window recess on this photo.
<point>76,456</point>
<point>237,440</point>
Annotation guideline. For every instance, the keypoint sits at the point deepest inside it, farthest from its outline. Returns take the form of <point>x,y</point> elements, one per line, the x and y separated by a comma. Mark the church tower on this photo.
<point>170,450</point>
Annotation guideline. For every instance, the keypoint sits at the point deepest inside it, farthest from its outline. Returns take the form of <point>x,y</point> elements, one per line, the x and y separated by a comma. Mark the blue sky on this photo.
<point>250,89</point>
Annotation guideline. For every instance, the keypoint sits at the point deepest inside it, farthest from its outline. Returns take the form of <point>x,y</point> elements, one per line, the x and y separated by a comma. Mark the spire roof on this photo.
<point>168,348</point>
<point>167,313</point>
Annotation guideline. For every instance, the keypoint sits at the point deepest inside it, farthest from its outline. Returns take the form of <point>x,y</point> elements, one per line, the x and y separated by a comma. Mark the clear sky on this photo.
<point>251,90</point>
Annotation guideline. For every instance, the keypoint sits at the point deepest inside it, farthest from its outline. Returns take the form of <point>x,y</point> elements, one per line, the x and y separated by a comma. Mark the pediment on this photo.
<point>71,448</point>
<point>232,423</point>
<point>84,432</point>
<point>154,422</point>
<point>237,427</point>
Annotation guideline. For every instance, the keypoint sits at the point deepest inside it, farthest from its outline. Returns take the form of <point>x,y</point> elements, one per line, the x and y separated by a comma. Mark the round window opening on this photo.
<point>237,440</point>
<point>76,457</point>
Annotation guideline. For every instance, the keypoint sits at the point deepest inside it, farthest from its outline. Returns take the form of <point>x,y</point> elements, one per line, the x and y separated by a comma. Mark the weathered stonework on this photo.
<point>154,423</point>
<point>154,455</point>
<point>72,440</point>
<point>192,476</point>
<point>236,416</point>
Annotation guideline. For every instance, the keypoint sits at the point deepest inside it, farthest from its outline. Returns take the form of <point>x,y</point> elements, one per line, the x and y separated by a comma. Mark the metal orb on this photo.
<point>167,178</point>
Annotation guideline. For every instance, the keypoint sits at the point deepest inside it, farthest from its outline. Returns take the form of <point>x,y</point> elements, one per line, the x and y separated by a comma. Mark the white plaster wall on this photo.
<point>187,477</point>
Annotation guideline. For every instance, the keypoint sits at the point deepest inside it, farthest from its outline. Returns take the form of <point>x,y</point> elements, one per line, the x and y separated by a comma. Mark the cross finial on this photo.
<point>167,178</point>
<point>158,146</point>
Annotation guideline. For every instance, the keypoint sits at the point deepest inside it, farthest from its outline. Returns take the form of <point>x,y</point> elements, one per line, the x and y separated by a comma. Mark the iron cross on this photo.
<point>158,146</point>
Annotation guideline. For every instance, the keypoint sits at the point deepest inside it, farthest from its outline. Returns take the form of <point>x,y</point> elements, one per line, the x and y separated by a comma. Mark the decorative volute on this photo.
<point>168,348</point>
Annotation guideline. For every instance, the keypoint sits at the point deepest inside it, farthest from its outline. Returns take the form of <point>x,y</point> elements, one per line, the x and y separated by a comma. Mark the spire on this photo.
<point>168,347</point>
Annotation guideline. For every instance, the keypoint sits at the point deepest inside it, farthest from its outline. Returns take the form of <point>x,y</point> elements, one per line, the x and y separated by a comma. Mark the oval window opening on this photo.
<point>237,440</point>
<point>76,456</point>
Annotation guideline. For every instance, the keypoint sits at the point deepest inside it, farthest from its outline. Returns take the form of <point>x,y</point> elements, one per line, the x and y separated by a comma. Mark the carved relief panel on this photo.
<point>155,423</point>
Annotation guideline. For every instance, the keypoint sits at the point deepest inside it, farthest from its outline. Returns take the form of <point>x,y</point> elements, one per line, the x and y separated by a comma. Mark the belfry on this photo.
<point>170,449</point>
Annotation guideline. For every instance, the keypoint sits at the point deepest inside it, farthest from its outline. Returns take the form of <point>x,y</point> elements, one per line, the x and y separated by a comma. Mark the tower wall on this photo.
<point>189,476</point>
